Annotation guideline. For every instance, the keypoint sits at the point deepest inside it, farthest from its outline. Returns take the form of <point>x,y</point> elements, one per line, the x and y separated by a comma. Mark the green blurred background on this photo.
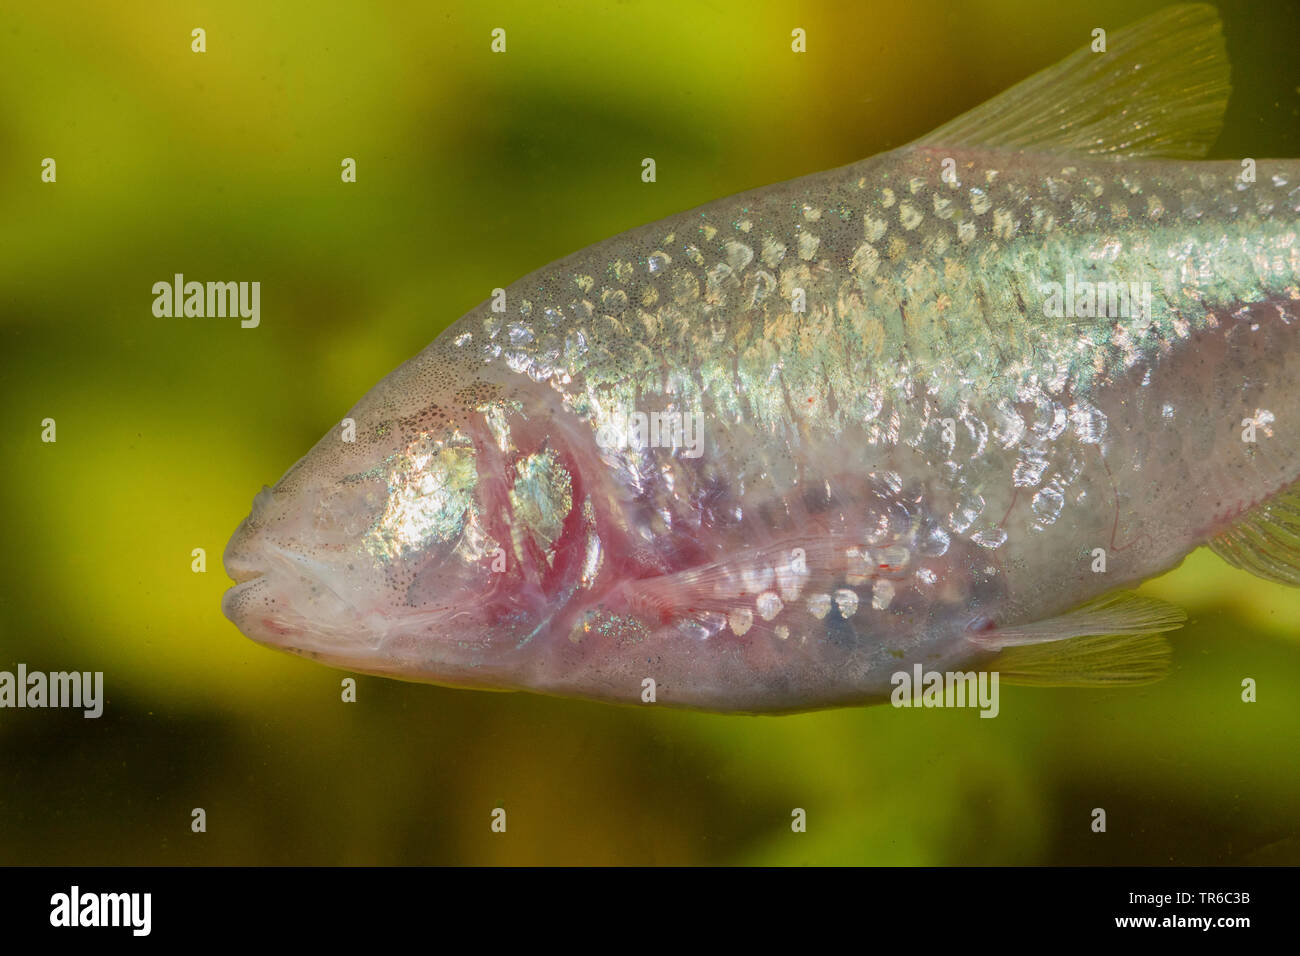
<point>473,169</point>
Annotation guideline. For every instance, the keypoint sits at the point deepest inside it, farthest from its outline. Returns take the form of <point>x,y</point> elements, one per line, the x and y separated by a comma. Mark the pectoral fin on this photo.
<point>1110,660</point>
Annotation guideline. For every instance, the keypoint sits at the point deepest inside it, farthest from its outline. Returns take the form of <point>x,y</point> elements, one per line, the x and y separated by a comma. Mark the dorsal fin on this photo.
<point>1159,89</point>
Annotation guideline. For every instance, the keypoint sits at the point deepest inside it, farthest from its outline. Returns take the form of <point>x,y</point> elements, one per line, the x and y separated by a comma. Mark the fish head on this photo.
<point>423,538</point>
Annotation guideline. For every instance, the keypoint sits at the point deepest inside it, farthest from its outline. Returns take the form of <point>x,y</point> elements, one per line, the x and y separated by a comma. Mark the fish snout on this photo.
<point>243,557</point>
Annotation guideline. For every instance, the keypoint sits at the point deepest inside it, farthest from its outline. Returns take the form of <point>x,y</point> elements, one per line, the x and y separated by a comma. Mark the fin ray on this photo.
<point>1266,540</point>
<point>1121,613</point>
<point>1160,89</point>
<point>1109,660</point>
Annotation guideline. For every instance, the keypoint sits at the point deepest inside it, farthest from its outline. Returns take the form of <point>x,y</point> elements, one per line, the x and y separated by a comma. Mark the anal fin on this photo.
<point>1266,540</point>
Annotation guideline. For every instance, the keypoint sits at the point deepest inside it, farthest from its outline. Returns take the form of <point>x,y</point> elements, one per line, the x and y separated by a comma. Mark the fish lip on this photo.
<point>230,600</point>
<point>242,567</point>
<point>242,575</point>
<point>242,557</point>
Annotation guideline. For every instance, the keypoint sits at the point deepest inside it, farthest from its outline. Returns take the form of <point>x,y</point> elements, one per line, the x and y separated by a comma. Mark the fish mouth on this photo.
<point>243,572</point>
<point>245,567</point>
<point>244,575</point>
<point>290,601</point>
<point>246,579</point>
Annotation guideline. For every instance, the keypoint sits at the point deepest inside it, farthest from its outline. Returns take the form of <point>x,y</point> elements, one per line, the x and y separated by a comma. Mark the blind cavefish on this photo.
<point>938,407</point>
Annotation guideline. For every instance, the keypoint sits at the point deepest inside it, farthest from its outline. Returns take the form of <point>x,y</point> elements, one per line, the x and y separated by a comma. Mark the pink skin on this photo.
<point>823,452</point>
<point>308,586</point>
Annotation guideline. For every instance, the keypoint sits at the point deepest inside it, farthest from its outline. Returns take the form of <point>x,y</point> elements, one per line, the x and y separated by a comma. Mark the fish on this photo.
<point>940,409</point>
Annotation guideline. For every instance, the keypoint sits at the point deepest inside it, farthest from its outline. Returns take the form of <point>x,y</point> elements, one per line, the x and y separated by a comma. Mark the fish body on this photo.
<point>936,407</point>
